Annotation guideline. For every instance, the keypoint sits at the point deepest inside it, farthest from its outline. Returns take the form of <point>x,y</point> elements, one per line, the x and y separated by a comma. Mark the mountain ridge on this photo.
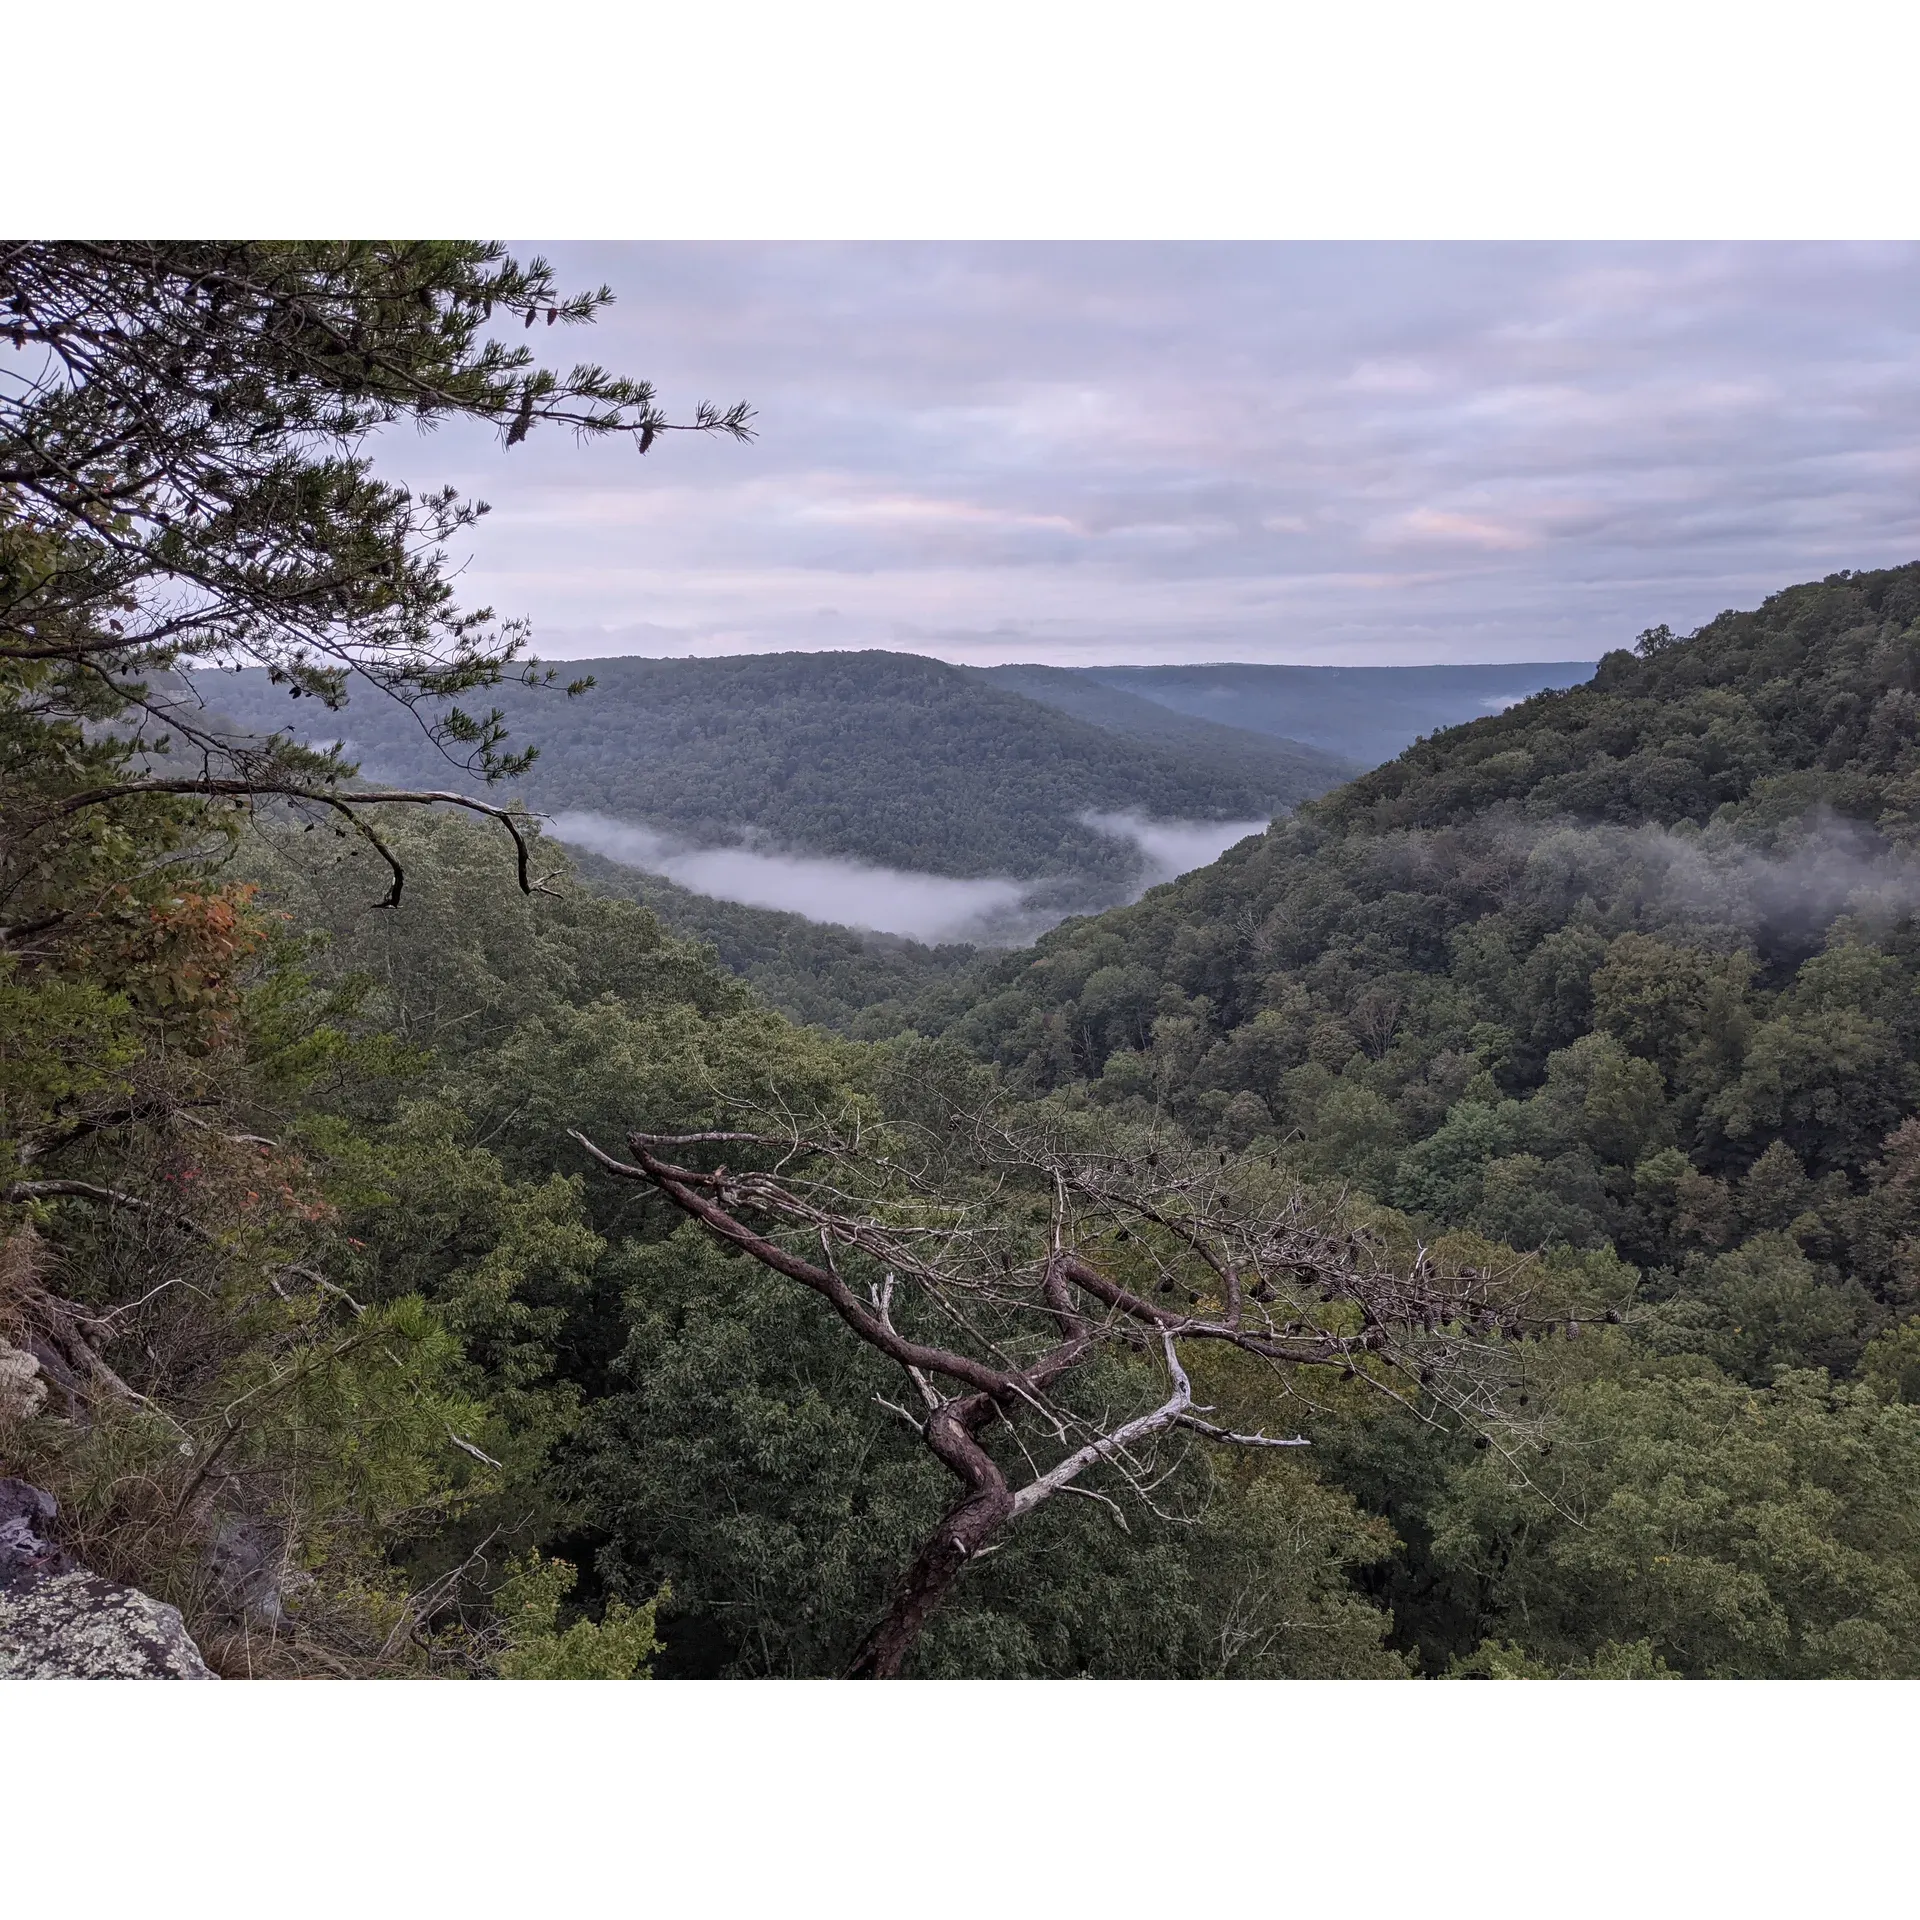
<point>1362,714</point>
<point>1258,758</point>
<point>894,759</point>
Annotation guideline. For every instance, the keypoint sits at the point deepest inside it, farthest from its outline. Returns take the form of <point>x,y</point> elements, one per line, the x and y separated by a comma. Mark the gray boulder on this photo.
<point>60,1622</point>
<point>26,1548</point>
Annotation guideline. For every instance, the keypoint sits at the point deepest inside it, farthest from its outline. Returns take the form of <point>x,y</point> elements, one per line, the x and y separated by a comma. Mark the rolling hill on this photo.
<point>1633,963</point>
<point>1267,762</point>
<point>880,757</point>
<point>1360,714</point>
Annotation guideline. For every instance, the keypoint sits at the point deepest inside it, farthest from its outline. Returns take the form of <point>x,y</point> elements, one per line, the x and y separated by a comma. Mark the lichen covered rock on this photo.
<point>60,1622</point>
<point>77,1626</point>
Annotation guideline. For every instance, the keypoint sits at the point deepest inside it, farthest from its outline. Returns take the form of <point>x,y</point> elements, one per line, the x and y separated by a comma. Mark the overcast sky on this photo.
<point>1270,452</point>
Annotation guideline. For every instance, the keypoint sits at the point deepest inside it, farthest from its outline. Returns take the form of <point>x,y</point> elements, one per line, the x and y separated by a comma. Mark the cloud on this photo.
<point>1832,866</point>
<point>1087,453</point>
<point>919,510</point>
<point>923,906</point>
<point>1429,523</point>
<point>929,907</point>
<point>1169,848</point>
<point>1709,885</point>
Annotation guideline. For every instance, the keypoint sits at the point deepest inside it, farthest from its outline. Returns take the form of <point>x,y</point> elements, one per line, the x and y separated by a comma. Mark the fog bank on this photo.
<point>923,906</point>
<point>1822,867</point>
<point>929,907</point>
<point>1169,848</point>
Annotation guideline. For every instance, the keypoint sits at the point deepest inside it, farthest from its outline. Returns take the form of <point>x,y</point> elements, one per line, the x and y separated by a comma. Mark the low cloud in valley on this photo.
<point>930,907</point>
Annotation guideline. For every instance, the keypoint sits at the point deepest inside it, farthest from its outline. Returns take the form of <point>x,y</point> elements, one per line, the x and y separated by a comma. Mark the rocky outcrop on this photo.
<point>26,1517</point>
<point>60,1622</point>
<point>76,1626</point>
<point>22,1391</point>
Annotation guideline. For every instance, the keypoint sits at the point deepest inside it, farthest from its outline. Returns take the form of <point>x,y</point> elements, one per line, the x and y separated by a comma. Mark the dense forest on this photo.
<point>1469,1231</point>
<point>1625,974</point>
<point>884,757</point>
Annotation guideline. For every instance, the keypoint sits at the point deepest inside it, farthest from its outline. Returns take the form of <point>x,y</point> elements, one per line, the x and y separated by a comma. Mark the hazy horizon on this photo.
<point>620,637</point>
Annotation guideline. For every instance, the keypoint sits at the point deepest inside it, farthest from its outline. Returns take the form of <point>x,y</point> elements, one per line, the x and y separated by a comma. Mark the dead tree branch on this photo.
<point>1000,1284</point>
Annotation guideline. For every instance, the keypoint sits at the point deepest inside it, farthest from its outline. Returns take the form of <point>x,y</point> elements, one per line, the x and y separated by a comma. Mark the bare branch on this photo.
<point>908,1247</point>
<point>346,803</point>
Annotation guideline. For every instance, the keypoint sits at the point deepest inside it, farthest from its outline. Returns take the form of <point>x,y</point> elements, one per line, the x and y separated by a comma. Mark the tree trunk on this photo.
<point>962,1532</point>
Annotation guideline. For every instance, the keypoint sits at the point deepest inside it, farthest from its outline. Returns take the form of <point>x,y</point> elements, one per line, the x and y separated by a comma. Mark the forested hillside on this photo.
<point>1702,853</point>
<point>1628,969</point>
<point>885,757</point>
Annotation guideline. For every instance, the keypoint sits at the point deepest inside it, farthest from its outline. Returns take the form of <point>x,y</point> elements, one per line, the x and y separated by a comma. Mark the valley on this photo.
<point>883,793</point>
